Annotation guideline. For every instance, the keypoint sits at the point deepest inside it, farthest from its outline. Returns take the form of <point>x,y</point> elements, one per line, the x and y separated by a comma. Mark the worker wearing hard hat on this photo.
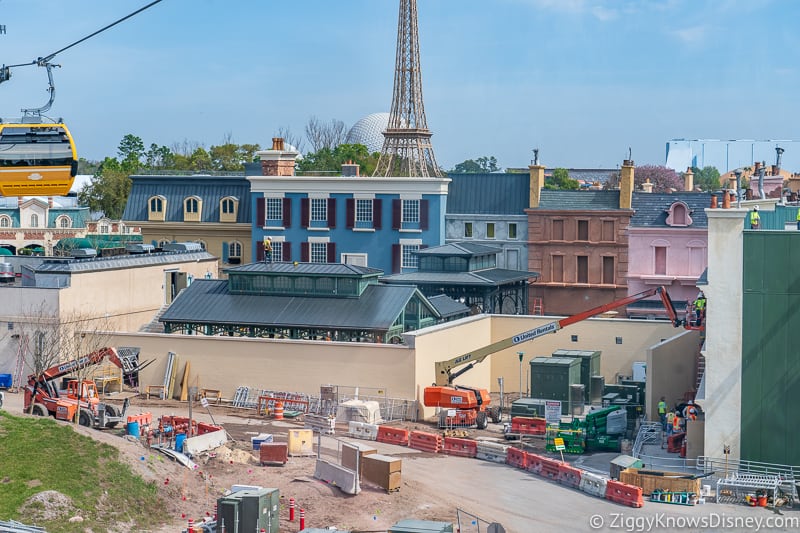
<point>755,219</point>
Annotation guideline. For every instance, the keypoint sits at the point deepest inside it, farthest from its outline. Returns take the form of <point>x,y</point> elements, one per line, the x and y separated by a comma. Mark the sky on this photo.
<point>583,81</point>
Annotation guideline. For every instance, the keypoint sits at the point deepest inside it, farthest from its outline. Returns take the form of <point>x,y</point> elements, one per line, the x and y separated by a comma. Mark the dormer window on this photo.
<point>157,208</point>
<point>192,207</point>
<point>228,209</point>
<point>63,222</point>
<point>678,215</point>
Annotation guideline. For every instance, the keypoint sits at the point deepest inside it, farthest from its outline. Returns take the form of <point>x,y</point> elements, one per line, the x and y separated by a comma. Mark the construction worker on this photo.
<point>755,219</point>
<point>662,412</point>
<point>670,421</point>
<point>700,308</point>
<point>268,250</point>
<point>676,424</point>
<point>798,219</point>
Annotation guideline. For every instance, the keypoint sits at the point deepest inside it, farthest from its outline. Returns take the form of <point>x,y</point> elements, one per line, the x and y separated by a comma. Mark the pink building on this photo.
<point>667,245</point>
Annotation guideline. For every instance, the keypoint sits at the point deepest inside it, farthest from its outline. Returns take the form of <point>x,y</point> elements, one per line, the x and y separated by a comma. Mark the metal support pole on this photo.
<point>521,355</point>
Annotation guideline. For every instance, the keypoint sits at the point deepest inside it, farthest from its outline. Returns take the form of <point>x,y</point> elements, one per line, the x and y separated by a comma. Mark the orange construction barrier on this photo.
<point>569,475</point>
<point>391,435</point>
<point>144,419</point>
<point>516,457</point>
<point>460,447</point>
<point>535,463</point>
<point>550,468</point>
<point>674,442</point>
<point>526,425</point>
<point>427,442</point>
<point>624,494</point>
<point>277,411</point>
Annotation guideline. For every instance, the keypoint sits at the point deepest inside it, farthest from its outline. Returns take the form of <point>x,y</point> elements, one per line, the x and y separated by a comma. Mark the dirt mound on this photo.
<point>48,505</point>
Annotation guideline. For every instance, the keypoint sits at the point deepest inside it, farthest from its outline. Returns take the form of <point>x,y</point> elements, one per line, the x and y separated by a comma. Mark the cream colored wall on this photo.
<point>723,350</point>
<point>213,234</point>
<point>671,369</point>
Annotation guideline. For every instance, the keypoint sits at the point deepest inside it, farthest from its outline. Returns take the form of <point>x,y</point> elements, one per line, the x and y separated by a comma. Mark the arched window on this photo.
<point>228,208</point>
<point>157,208</point>
<point>156,204</point>
<point>191,209</point>
<point>5,221</point>
<point>34,220</point>
<point>191,205</point>
<point>235,250</point>
<point>64,222</point>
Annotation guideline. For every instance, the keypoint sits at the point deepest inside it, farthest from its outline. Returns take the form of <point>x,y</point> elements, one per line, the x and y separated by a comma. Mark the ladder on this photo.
<point>22,350</point>
<point>538,307</point>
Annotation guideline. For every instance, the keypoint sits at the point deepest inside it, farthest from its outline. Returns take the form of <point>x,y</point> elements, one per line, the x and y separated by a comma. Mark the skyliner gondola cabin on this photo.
<point>36,159</point>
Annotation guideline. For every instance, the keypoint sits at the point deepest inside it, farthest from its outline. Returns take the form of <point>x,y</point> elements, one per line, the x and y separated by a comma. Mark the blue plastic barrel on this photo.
<point>133,429</point>
<point>5,381</point>
<point>179,438</point>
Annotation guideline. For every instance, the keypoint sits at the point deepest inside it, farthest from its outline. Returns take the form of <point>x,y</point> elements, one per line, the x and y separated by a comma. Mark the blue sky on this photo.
<point>582,80</point>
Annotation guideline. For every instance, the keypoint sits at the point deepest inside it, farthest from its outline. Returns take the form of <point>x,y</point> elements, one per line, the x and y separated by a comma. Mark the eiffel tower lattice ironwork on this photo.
<point>407,149</point>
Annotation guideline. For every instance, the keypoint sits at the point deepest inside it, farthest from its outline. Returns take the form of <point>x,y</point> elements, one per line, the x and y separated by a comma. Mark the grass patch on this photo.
<point>38,454</point>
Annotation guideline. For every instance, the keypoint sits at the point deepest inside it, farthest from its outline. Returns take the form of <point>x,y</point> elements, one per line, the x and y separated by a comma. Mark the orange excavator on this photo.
<point>467,406</point>
<point>78,397</point>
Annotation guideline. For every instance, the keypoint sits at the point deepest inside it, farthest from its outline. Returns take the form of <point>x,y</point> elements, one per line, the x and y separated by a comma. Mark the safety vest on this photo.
<point>662,408</point>
<point>798,215</point>
<point>700,303</point>
<point>754,218</point>
<point>676,424</point>
<point>670,418</point>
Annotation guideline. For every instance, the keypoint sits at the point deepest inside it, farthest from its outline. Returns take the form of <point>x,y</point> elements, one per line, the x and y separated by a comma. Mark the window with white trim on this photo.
<point>104,228</point>
<point>5,221</point>
<point>34,220</point>
<point>235,252</point>
<point>319,210</point>
<point>277,251</point>
<point>409,258</point>
<point>228,206</point>
<point>410,211</point>
<point>318,252</point>
<point>274,207</point>
<point>63,222</point>
<point>363,213</point>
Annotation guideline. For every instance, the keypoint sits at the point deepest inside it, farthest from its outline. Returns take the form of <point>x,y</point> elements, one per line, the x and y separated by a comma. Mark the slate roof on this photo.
<point>317,269</point>
<point>500,193</point>
<point>650,209</point>
<point>578,200</point>
<point>491,277</point>
<point>211,189</point>
<point>447,306</point>
<point>119,262</point>
<point>209,302</point>
<point>459,249</point>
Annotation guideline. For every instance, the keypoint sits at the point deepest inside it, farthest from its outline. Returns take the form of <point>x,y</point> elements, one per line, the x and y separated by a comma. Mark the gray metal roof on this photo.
<point>317,269</point>
<point>176,188</point>
<point>447,306</point>
<point>460,249</point>
<point>208,301</point>
<point>578,200</point>
<point>650,209</point>
<point>500,193</point>
<point>119,261</point>
<point>490,277</point>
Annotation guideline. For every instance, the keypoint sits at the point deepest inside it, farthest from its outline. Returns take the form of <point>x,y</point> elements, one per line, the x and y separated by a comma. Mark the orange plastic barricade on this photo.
<point>427,442</point>
<point>550,468</point>
<point>569,475</point>
<point>392,435</point>
<point>144,419</point>
<point>526,425</point>
<point>535,463</point>
<point>517,458</point>
<point>460,447</point>
<point>674,442</point>
<point>624,494</point>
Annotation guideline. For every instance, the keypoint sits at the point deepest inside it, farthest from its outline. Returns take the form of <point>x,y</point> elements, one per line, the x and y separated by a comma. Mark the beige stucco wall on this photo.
<point>403,371</point>
<point>671,369</point>
<point>213,234</point>
<point>723,350</point>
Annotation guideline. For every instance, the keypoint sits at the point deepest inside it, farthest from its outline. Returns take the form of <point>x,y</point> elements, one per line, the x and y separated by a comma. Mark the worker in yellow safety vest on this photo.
<point>662,412</point>
<point>755,219</point>
<point>798,219</point>
<point>700,308</point>
<point>670,421</point>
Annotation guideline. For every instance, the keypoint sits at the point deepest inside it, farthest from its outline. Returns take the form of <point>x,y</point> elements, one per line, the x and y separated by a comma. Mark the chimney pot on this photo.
<point>277,143</point>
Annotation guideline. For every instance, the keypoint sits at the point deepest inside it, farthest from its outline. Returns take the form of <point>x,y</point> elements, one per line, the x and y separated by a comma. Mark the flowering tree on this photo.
<point>663,179</point>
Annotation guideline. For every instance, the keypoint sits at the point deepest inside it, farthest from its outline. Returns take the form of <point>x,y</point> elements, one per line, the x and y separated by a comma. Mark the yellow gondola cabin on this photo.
<point>36,159</point>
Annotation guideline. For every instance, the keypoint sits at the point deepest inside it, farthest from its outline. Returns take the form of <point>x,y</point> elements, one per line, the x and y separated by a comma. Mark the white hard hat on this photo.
<point>755,208</point>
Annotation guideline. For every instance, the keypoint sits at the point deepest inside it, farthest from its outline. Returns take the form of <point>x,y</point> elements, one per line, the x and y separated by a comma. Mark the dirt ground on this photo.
<point>192,494</point>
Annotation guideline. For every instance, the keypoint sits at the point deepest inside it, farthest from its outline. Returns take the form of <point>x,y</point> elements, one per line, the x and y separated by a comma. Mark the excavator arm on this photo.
<point>444,369</point>
<point>96,357</point>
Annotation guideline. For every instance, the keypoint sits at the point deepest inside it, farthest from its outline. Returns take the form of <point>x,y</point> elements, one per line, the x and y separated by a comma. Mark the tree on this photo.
<point>325,135</point>
<point>131,152</point>
<point>561,180</point>
<point>663,179</point>
<point>331,160</point>
<point>707,178</point>
<point>108,190</point>
<point>480,165</point>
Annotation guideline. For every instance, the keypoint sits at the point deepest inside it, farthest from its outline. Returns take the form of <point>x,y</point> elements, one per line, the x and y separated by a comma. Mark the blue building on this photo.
<point>366,221</point>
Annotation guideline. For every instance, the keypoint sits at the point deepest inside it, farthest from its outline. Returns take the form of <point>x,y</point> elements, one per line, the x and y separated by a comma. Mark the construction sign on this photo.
<point>559,442</point>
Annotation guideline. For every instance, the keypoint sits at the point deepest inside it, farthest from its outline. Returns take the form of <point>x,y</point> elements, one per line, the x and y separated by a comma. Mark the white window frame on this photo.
<point>318,210</point>
<point>273,209</point>
<point>410,211</point>
<point>6,222</point>
<point>365,212</point>
<point>235,250</point>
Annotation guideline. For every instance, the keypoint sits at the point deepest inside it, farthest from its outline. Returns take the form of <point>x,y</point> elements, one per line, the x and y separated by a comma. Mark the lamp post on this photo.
<point>521,355</point>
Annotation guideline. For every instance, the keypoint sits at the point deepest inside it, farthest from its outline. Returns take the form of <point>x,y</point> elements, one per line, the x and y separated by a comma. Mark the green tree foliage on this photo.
<point>707,178</point>
<point>108,189</point>
<point>331,160</point>
<point>561,180</point>
<point>481,165</point>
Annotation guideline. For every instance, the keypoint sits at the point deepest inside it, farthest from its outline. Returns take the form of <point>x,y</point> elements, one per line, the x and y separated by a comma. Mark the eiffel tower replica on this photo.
<point>407,149</point>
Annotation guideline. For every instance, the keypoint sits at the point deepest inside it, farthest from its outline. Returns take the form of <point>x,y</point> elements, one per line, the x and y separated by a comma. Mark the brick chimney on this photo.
<point>277,161</point>
<point>626,184</point>
<point>536,183</point>
<point>647,186</point>
<point>688,180</point>
<point>351,170</point>
<point>50,202</point>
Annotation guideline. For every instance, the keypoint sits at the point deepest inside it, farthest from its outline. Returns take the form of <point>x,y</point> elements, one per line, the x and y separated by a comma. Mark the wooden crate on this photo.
<point>353,454</point>
<point>669,481</point>
<point>382,470</point>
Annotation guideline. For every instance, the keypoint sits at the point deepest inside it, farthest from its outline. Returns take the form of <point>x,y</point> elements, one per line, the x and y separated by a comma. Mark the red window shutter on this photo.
<point>423,214</point>
<point>287,251</point>
<point>287,212</point>
<point>350,213</point>
<point>331,212</point>
<point>396,258</point>
<point>261,216</point>
<point>331,249</point>
<point>260,251</point>
<point>377,213</point>
<point>397,214</point>
<point>305,214</point>
<point>305,254</point>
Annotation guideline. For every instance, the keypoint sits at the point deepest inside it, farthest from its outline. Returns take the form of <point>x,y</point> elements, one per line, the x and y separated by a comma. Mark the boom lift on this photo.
<point>471,405</point>
<point>79,396</point>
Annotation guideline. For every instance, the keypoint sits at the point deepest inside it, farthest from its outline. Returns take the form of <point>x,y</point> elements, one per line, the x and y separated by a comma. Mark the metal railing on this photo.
<point>649,433</point>
<point>722,468</point>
